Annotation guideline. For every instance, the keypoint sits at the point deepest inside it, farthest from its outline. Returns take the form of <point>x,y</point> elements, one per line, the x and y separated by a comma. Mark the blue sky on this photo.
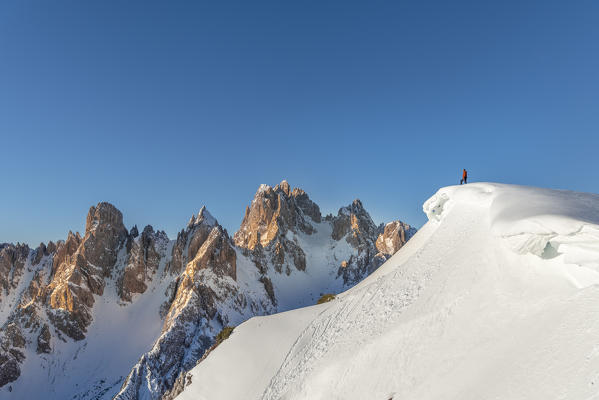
<point>161,107</point>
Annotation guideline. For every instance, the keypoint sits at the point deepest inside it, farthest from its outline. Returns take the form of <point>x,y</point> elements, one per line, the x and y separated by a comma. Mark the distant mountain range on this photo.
<point>124,314</point>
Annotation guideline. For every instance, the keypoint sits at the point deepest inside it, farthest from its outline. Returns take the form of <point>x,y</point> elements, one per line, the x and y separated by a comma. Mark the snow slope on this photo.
<point>496,297</point>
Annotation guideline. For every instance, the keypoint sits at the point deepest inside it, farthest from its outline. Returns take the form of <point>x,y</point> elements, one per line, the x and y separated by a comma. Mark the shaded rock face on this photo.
<point>374,244</point>
<point>143,260</point>
<point>184,340</point>
<point>354,223</point>
<point>104,235</point>
<point>12,344</point>
<point>12,263</point>
<point>40,252</point>
<point>25,321</point>
<point>9,370</point>
<point>43,340</point>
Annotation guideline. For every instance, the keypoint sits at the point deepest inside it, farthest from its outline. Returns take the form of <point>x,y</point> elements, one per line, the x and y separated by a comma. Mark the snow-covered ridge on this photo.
<point>546,223</point>
<point>494,298</point>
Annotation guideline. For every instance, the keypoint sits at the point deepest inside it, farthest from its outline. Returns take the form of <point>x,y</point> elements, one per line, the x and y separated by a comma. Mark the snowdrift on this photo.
<point>496,297</point>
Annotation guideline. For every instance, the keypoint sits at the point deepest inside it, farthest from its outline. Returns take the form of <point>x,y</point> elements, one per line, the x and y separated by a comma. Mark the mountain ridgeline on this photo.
<point>124,314</point>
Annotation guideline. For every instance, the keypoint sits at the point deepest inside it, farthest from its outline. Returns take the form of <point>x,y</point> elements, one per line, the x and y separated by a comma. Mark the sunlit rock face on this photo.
<point>395,234</point>
<point>264,230</point>
<point>273,212</point>
<point>81,266</point>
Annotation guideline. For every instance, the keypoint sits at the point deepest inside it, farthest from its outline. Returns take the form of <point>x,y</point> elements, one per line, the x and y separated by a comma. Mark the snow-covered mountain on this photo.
<point>496,297</point>
<point>117,313</point>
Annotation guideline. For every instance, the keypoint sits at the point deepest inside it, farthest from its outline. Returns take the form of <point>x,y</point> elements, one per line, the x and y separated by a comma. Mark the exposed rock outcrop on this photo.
<point>395,234</point>
<point>374,244</point>
<point>104,236</point>
<point>80,267</point>
<point>143,259</point>
<point>273,212</point>
<point>43,340</point>
<point>12,263</point>
<point>354,225</point>
<point>190,239</point>
<point>12,343</point>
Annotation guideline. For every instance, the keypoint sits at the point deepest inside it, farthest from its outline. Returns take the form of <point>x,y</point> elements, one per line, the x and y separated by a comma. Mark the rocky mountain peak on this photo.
<point>104,234</point>
<point>284,187</point>
<point>273,212</point>
<point>43,250</point>
<point>215,252</point>
<point>355,208</point>
<point>354,225</point>
<point>104,216</point>
<point>204,217</point>
<point>354,220</point>
<point>80,267</point>
<point>73,237</point>
<point>198,242</point>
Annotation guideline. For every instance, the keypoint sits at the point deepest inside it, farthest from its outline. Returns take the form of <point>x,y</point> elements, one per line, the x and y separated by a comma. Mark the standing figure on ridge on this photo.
<point>464,177</point>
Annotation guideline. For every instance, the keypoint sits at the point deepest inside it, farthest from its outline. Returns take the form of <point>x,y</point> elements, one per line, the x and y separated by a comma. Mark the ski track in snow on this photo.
<point>365,314</point>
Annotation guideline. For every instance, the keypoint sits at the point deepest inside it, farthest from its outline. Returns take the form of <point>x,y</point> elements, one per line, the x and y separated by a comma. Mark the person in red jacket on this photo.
<point>464,177</point>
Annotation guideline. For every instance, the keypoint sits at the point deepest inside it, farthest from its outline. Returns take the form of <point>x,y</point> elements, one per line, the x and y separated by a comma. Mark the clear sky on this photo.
<point>161,107</point>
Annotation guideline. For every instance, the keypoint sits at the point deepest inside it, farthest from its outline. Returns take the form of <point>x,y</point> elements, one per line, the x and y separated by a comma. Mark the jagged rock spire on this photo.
<point>80,267</point>
<point>393,236</point>
<point>200,242</point>
<point>355,219</point>
<point>273,212</point>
